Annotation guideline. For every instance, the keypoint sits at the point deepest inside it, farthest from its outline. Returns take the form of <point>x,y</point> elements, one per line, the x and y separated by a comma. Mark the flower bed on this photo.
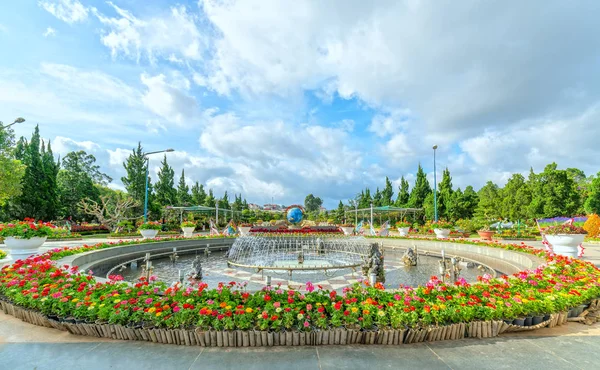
<point>38,289</point>
<point>26,229</point>
<point>304,230</point>
<point>2,254</point>
<point>90,229</point>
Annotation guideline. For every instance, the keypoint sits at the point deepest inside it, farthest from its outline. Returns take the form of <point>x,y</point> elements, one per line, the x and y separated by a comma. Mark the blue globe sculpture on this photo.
<point>294,215</point>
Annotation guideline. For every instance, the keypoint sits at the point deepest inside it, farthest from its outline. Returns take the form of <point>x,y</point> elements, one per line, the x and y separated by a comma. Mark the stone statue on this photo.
<point>197,269</point>
<point>300,257</point>
<point>410,257</point>
<point>374,264</point>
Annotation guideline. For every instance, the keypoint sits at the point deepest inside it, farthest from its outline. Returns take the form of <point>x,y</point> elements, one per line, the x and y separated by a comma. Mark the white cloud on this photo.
<point>69,11</point>
<point>63,145</point>
<point>173,36</point>
<point>168,100</point>
<point>49,32</point>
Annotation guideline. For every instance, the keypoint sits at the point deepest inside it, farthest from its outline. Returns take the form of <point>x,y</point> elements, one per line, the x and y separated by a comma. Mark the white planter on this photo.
<point>403,231</point>
<point>245,230</point>
<point>565,244</point>
<point>348,230</point>
<point>442,233</point>
<point>149,234</point>
<point>22,248</point>
<point>188,232</point>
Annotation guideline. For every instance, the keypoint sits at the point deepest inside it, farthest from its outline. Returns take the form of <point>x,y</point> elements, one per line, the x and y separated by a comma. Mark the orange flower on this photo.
<point>223,304</point>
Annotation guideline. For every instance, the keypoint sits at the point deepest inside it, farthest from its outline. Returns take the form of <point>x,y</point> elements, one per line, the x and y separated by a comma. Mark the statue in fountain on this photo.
<point>410,257</point>
<point>197,269</point>
<point>300,257</point>
<point>374,264</point>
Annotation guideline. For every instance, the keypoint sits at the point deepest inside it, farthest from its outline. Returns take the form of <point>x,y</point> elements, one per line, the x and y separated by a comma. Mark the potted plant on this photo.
<point>403,227</point>
<point>485,233</point>
<point>24,238</point>
<point>442,228</point>
<point>245,229</point>
<point>348,229</point>
<point>188,228</point>
<point>149,229</point>
<point>565,238</point>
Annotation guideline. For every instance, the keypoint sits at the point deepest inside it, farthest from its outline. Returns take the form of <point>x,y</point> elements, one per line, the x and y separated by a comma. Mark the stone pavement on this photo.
<point>25,346</point>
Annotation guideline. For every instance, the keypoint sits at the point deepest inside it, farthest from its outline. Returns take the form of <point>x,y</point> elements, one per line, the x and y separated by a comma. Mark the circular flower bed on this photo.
<point>39,284</point>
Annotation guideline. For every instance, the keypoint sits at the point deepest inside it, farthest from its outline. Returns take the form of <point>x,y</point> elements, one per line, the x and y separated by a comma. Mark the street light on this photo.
<point>435,215</point>
<point>18,120</point>
<point>145,156</point>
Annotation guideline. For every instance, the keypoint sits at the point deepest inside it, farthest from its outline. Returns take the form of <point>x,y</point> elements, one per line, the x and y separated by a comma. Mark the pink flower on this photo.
<point>148,301</point>
<point>176,309</point>
<point>309,307</point>
<point>309,287</point>
<point>276,304</point>
<point>306,324</point>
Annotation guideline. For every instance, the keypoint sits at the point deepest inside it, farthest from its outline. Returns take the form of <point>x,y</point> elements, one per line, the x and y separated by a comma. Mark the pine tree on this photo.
<point>183,191</point>
<point>210,200</point>
<point>445,195</point>
<point>224,202</point>
<point>340,213</point>
<point>135,181</point>
<point>377,199</point>
<point>420,190</point>
<point>76,183</point>
<point>198,194</point>
<point>49,183</point>
<point>31,203</point>
<point>165,193</point>
<point>387,193</point>
<point>403,194</point>
<point>488,207</point>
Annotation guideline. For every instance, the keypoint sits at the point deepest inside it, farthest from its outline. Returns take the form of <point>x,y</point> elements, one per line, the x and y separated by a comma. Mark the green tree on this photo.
<point>489,205</point>
<point>165,193</point>
<point>364,199</point>
<point>339,215</point>
<point>183,191</point>
<point>592,203</point>
<point>515,198</point>
<point>378,198</point>
<point>224,202</point>
<point>39,197</point>
<point>135,179</point>
<point>444,198</point>
<point>11,169</point>
<point>420,191</point>
<point>312,203</point>
<point>554,194</point>
<point>198,194</point>
<point>403,193</point>
<point>387,193</point>
<point>210,200</point>
<point>76,182</point>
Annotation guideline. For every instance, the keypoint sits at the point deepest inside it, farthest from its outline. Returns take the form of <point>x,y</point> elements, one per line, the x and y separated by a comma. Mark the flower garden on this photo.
<point>40,291</point>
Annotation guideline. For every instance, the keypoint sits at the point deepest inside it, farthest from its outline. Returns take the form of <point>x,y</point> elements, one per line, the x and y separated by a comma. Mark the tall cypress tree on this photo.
<point>165,194</point>
<point>49,183</point>
<point>183,191</point>
<point>210,201</point>
<point>31,203</point>
<point>403,194</point>
<point>387,193</point>
<point>420,190</point>
<point>135,181</point>
<point>198,194</point>
<point>445,195</point>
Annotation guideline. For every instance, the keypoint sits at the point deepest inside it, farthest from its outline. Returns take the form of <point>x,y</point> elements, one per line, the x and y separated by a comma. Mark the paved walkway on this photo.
<point>25,346</point>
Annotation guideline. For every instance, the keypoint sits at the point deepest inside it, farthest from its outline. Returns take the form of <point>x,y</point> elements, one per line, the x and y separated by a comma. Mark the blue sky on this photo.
<point>284,98</point>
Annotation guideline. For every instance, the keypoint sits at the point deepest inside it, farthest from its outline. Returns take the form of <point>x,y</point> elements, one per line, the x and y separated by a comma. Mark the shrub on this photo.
<point>592,226</point>
<point>188,224</point>
<point>403,224</point>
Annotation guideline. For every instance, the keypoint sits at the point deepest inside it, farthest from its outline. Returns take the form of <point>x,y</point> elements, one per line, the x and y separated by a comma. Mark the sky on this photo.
<point>276,99</point>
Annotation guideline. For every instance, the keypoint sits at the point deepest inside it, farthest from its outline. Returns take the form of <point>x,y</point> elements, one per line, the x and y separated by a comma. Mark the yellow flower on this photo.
<point>116,295</point>
<point>90,308</point>
<point>117,300</point>
<point>354,309</point>
<point>525,300</point>
<point>319,304</point>
<point>158,314</point>
<point>44,299</point>
<point>300,316</point>
<point>152,309</point>
<point>380,313</point>
<point>75,300</point>
<point>102,305</point>
<point>442,306</point>
<point>249,310</point>
<point>228,307</point>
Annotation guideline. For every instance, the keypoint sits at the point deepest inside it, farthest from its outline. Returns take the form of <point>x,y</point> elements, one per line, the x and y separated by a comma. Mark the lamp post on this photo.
<point>18,120</point>
<point>145,156</point>
<point>435,214</point>
<point>371,224</point>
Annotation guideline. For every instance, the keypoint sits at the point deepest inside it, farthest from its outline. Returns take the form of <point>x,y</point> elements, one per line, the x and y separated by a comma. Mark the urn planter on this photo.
<point>347,230</point>
<point>565,244</point>
<point>245,230</point>
<point>403,231</point>
<point>149,233</point>
<point>441,233</point>
<point>22,248</point>
<point>485,235</point>
<point>188,232</point>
